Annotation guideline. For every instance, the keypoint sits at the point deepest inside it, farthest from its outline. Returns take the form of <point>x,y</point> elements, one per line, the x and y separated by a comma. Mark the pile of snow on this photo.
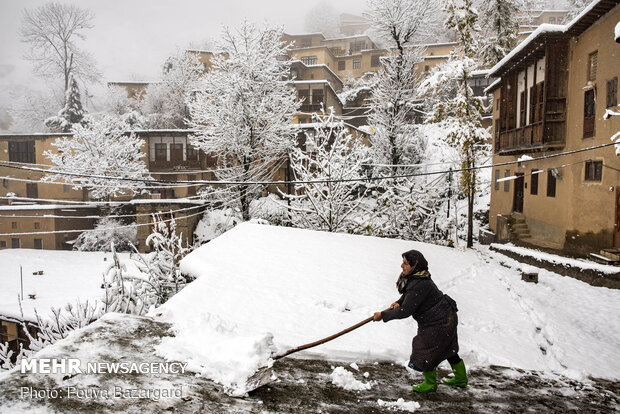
<point>264,288</point>
<point>399,404</point>
<point>345,379</point>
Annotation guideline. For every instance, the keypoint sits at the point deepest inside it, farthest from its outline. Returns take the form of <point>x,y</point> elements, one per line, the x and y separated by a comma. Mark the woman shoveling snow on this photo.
<point>435,313</point>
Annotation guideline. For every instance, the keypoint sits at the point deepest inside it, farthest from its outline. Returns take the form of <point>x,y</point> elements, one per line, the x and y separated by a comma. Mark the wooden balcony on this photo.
<point>174,165</point>
<point>529,138</point>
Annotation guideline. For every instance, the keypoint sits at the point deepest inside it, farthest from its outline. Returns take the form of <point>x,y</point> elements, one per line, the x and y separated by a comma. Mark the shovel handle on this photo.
<point>329,338</point>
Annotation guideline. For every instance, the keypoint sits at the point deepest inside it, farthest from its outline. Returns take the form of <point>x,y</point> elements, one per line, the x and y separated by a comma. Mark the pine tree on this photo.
<point>499,20</point>
<point>72,113</point>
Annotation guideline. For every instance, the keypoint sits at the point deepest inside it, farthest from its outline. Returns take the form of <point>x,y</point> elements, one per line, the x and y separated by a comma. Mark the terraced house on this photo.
<point>552,96</point>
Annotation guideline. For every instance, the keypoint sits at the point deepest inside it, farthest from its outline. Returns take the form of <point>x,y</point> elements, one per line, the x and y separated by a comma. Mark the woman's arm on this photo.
<point>412,299</point>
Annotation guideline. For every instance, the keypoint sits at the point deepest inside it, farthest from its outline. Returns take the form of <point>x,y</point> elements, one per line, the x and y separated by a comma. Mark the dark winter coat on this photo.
<point>435,314</point>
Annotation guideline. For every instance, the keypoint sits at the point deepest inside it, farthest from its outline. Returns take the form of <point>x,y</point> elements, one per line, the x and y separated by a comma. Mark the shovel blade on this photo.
<point>262,377</point>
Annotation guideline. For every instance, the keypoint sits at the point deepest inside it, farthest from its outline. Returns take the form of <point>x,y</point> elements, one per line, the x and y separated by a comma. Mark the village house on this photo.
<point>551,97</point>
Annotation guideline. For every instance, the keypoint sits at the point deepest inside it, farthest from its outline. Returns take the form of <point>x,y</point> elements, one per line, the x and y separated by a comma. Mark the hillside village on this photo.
<point>505,166</point>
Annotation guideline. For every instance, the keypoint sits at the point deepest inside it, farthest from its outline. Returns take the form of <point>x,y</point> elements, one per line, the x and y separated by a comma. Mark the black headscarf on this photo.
<point>419,267</point>
<point>416,260</point>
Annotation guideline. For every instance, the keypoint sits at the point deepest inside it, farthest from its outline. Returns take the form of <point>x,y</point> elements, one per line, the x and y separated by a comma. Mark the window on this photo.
<point>317,96</point>
<point>22,151</point>
<point>5,183</point>
<point>306,42</point>
<point>357,46</point>
<point>552,20</point>
<point>176,153</point>
<point>594,171</point>
<point>589,109</point>
<point>37,225</point>
<point>304,96</point>
<point>38,243</point>
<point>534,183</point>
<point>533,104</point>
<point>161,152</point>
<point>13,224</point>
<point>191,190</point>
<point>374,61</point>
<point>541,100</point>
<point>32,191</point>
<point>522,109</point>
<point>550,183</point>
<point>356,64</point>
<point>560,20</point>
<point>342,65</point>
<point>496,178</point>
<point>426,68</point>
<point>66,188</point>
<point>2,244</point>
<point>15,243</point>
<point>592,63</point>
<point>507,182</point>
<point>192,153</point>
<point>308,60</point>
<point>612,92</point>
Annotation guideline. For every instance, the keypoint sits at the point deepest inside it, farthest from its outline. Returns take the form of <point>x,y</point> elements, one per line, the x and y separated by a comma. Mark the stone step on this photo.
<point>519,226</point>
<point>611,254</point>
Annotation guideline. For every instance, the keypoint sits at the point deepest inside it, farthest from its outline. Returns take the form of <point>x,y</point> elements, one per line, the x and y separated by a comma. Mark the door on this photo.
<point>517,203</point>
<point>176,154</point>
<point>617,223</point>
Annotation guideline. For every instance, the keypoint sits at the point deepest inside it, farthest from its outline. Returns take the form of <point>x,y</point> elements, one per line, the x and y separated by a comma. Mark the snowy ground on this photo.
<point>305,385</point>
<point>67,276</point>
<point>263,289</point>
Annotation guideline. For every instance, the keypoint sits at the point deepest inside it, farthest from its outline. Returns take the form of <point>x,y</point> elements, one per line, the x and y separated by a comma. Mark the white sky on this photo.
<point>131,38</point>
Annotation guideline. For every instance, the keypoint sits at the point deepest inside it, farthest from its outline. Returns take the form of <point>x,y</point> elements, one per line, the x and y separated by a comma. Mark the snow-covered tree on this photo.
<point>461,115</point>
<point>124,293</point>
<point>161,266</point>
<point>107,230</point>
<point>164,104</point>
<point>104,157</point>
<point>30,108</point>
<point>393,107</point>
<point>498,19</point>
<point>51,31</point>
<point>575,7</point>
<point>332,154</point>
<point>72,113</point>
<point>243,112</point>
<point>323,18</point>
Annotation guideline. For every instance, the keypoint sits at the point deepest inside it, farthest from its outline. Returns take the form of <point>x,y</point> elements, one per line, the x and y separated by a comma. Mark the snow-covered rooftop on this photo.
<point>67,276</point>
<point>23,207</point>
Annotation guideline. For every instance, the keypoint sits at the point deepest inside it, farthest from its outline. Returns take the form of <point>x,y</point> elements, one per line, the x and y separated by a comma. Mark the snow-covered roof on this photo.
<point>67,276</point>
<point>575,27</point>
<point>436,44</point>
<point>492,86</point>
<point>26,207</point>
<point>542,30</point>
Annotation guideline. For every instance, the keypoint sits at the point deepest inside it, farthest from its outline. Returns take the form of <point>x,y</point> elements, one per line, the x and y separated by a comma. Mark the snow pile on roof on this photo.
<point>67,276</point>
<point>260,282</point>
<point>617,32</point>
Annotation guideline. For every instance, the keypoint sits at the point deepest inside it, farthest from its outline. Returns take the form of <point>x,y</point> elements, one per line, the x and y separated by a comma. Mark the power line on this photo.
<point>92,230</point>
<point>322,181</point>
<point>98,217</point>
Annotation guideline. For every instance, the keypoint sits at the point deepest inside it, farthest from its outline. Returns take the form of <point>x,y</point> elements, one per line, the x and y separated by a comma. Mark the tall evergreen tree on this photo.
<point>499,20</point>
<point>72,113</point>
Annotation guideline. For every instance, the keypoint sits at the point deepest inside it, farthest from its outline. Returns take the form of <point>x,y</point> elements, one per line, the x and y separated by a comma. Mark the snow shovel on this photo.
<point>266,375</point>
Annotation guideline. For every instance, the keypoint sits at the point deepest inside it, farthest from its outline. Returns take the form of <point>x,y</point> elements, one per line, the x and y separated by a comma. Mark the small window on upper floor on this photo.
<point>306,42</point>
<point>496,178</point>
<point>612,92</point>
<point>22,151</point>
<point>356,63</point>
<point>594,171</point>
<point>426,68</point>
<point>342,65</point>
<point>552,20</point>
<point>374,61</point>
<point>592,63</point>
<point>551,183</point>
<point>507,182</point>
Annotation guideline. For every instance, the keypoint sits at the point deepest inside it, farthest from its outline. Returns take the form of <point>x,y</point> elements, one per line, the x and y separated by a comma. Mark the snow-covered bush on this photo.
<point>107,230</point>
<point>271,210</point>
<point>215,222</point>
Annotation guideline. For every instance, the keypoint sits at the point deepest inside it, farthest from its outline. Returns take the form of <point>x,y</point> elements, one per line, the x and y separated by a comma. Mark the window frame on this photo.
<point>593,171</point>
<point>309,60</point>
<point>534,182</point>
<point>612,92</point>
<point>357,63</point>
<point>551,184</point>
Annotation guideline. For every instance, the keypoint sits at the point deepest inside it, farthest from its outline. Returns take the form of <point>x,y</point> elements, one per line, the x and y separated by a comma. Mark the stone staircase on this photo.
<point>518,227</point>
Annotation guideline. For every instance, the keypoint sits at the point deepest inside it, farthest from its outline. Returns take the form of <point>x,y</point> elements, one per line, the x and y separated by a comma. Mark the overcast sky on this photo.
<point>131,38</point>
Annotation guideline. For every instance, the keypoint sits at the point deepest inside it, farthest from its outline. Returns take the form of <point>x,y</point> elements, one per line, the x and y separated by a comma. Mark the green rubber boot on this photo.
<point>429,384</point>
<point>460,376</point>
